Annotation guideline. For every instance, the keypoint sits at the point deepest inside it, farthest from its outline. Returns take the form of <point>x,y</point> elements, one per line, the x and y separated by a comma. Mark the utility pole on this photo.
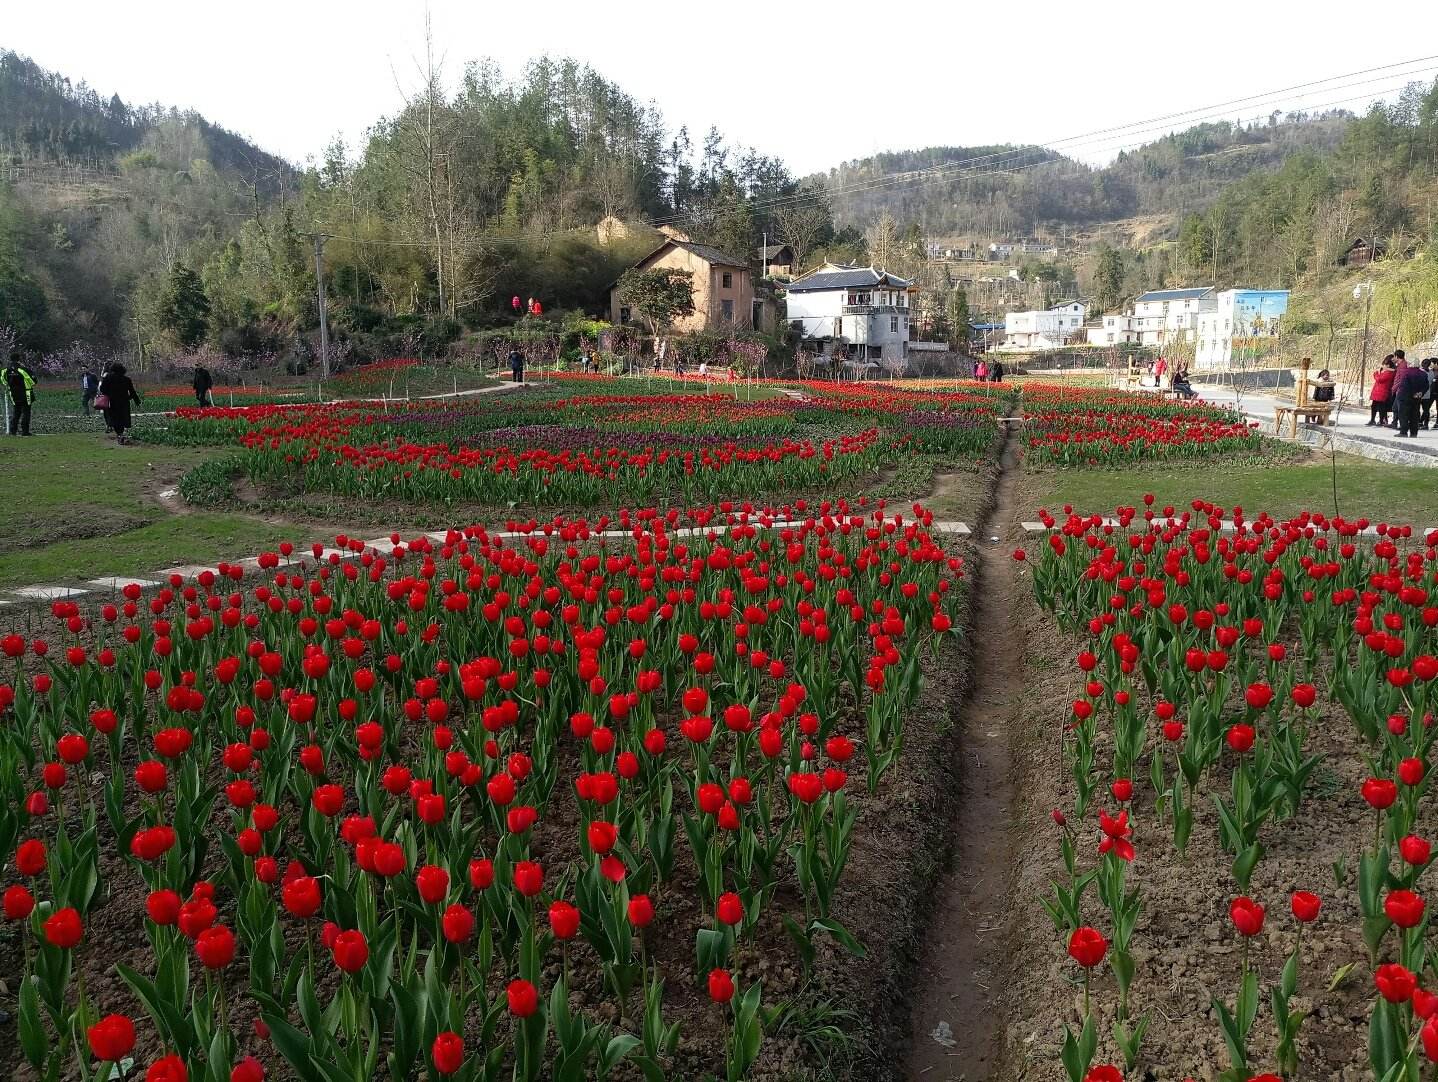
<point>1367,288</point>
<point>320,293</point>
<point>764,253</point>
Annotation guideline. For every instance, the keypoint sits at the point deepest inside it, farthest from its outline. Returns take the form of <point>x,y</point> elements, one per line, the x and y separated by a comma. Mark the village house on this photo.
<point>856,313</point>
<point>1046,329</point>
<point>724,295</point>
<point>776,259</point>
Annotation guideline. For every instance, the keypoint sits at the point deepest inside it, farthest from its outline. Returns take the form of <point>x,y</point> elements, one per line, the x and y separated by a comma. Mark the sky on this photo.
<point>815,84</point>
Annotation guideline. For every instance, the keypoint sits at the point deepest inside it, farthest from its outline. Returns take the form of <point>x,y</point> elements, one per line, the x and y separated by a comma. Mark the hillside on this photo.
<point>993,192</point>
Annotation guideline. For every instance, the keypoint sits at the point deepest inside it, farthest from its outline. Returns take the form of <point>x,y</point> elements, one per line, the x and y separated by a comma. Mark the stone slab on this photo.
<point>47,593</point>
<point>119,582</point>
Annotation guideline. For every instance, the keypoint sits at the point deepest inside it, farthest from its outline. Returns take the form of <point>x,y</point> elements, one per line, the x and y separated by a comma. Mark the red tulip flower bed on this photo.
<point>1241,854</point>
<point>1073,426</point>
<point>497,807</point>
<point>540,448</point>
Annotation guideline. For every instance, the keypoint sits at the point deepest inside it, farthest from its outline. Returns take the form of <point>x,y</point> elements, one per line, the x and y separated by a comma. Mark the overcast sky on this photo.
<point>814,83</point>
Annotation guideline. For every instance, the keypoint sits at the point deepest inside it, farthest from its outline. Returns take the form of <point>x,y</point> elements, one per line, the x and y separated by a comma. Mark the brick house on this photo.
<point>723,288</point>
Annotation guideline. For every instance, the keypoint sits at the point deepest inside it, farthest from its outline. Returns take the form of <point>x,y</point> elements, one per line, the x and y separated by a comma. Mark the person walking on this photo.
<point>996,372</point>
<point>89,388</point>
<point>117,392</point>
<point>516,365</point>
<point>20,387</point>
<point>1425,402</point>
<point>202,382</point>
<point>981,371</point>
<point>1380,398</point>
<point>1409,383</point>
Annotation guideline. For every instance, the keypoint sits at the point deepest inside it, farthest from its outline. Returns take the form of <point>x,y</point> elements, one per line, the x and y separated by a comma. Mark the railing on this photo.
<point>872,310</point>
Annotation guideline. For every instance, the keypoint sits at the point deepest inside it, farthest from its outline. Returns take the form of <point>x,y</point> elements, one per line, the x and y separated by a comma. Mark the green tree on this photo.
<point>660,295</point>
<point>182,310</point>
<point>1108,277</point>
<point>958,318</point>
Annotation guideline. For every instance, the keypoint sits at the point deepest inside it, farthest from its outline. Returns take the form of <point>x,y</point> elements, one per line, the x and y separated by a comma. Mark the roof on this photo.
<point>845,278</point>
<point>703,251</point>
<point>774,250</point>
<point>1175,294</point>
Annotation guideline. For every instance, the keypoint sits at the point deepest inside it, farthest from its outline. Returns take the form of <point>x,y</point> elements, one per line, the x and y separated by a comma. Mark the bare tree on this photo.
<point>800,226</point>
<point>883,240</point>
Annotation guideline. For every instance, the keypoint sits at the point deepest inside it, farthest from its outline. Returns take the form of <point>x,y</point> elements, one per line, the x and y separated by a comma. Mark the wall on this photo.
<point>709,292</point>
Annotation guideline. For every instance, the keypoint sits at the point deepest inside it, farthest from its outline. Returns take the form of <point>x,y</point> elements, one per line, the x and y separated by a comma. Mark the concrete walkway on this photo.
<point>1350,435</point>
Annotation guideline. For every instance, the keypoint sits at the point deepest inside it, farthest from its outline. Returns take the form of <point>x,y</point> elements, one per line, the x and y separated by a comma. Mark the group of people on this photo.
<point>534,308</point>
<point>985,372</point>
<point>111,392</point>
<point>1405,392</point>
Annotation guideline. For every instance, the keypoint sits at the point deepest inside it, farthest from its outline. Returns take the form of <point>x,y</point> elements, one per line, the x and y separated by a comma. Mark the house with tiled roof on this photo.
<point>724,295</point>
<point>856,313</point>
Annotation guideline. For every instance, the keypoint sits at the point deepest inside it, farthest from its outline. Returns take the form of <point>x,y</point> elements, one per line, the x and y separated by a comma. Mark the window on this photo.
<point>839,327</point>
<point>1110,339</point>
<point>894,324</point>
<point>728,280</point>
<point>624,314</point>
<point>726,309</point>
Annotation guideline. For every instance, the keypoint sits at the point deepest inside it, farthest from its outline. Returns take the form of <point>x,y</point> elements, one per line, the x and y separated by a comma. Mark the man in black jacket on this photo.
<point>202,383</point>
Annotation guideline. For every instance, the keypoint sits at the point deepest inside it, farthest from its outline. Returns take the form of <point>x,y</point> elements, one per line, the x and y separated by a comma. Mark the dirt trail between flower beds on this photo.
<point>957,1023</point>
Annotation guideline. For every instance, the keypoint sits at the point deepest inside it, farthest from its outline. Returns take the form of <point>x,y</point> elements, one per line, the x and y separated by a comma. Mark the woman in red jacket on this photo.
<point>1380,399</point>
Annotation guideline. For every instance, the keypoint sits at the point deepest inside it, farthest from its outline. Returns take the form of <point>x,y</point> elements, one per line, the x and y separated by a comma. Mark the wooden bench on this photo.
<point>1313,413</point>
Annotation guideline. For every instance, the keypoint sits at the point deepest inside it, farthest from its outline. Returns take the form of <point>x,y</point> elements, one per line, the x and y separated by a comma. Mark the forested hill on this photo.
<point>46,120</point>
<point>1006,191</point>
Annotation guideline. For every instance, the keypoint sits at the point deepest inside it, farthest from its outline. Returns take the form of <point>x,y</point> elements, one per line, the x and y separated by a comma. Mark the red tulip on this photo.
<point>18,903</point>
<point>721,986</point>
<point>215,947</point>
<point>248,1069</point>
<point>1395,983</point>
<point>432,882</point>
<point>523,998</point>
<point>169,1069</point>
<point>1415,850</point>
<point>111,1038</point>
<point>301,896</point>
<point>350,951</point>
<point>563,920</point>
<point>63,928</point>
<point>30,857</point>
<point>1104,1072</point>
<point>641,911</point>
<point>730,908</point>
<point>1240,738</point>
<point>1404,908</point>
<point>447,1052</point>
<point>1247,915</point>
<point>1305,906</point>
<point>528,878</point>
<point>1087,947</point>
<point>1380,793</point>
<point>163,907</point>
<point>457,924</point>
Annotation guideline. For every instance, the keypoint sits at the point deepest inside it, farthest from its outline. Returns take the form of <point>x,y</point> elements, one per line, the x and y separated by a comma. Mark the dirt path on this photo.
<point>957,1026</point>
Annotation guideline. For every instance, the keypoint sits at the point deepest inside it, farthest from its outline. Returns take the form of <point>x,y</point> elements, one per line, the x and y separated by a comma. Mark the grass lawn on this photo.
<point>1366,488</point>
<point>79,506</point>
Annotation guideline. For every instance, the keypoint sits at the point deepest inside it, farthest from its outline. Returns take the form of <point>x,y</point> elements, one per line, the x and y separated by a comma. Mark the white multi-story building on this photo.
<point>857,312</point>
<point>1115,330</point>
<point>1238,324</point>
<point>1159,317</point>
<point>1046,329</point>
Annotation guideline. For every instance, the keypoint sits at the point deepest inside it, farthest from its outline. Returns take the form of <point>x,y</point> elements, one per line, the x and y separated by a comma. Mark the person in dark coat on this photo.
<point>1425,403</point>
<point>20,389</point>
<point>1380,398</point>
<point>202,383</point>
<point>996,372</point>
<point>89,388</point>
<point>1408,387</point>
<point>119,392</point>
<point>516,365</point>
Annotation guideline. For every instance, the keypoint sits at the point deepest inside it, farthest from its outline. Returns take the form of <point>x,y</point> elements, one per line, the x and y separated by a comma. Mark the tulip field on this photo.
<point>403,814</point>
<point>1235,867</point>
<point>647,775</point>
